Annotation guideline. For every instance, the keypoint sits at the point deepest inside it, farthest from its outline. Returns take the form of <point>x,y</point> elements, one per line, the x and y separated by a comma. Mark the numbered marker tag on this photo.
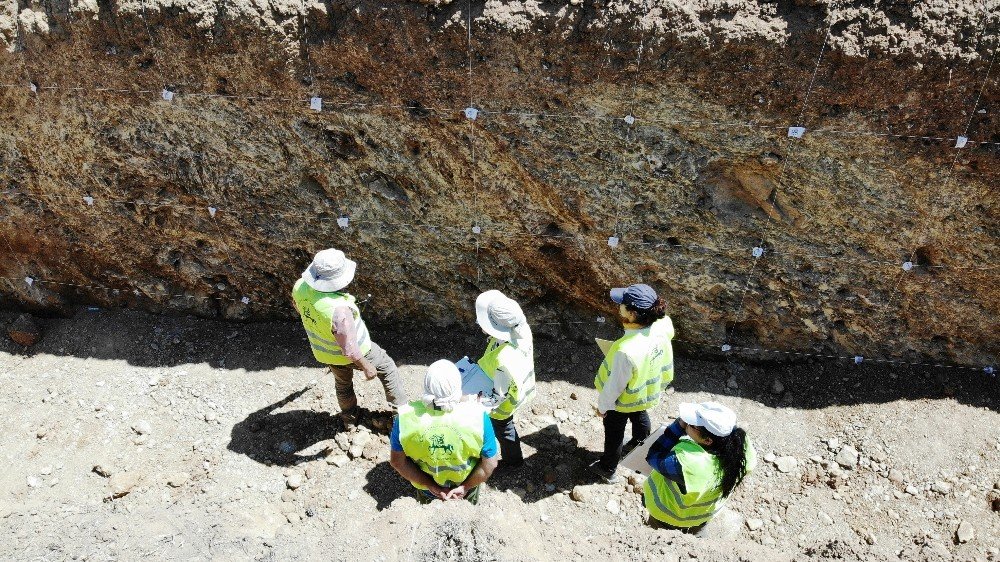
<point>30,281</point>
<point>960,142</point>
<point>477,230</point>
<point>613,241</point>
<point>471,113</point>
<point>601,320</point>
<point>858,359</point>
<point>89,200</point>
<point>796,132</point>
<point>988,370</point>
<point>629,119</point>
<point>726,347</point>
<point>211,211</point>
<point>135,292</point>
<point>758,252</point>
<point>343,221</point>
<point>907,265</point>
<point>167,95</point>
<point>33,87</point>
<point>245,300</point>
<point>316,104</point>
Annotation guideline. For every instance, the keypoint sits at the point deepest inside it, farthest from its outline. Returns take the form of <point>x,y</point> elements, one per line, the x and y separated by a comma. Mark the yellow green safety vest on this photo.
<point>652,357</point>
<point>702,497</point>
<point>316,309</point>
<point>520,366</point>
<point>445,445</point>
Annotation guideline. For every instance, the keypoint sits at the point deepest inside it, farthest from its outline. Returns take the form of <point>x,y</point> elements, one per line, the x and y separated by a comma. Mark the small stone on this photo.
<point>293,517</point>
<point>732,384</point>
<point>912,490</point>
<point>211,416</point>
<point>613,506</point>
<point>581,494</point>
<point>560,415</point>
<point>895,476</point>
<point>24,331</point>
<point>770,458</point>
<point>755,524</point>
<point>572,396</point>
<point>338,460</point>
<point>343,441</point>
<point>361,439</point>
<point>777,387</point>
<point>833,444</point>
<point>142,427</point>
<point>786,464</point>
<point>870,538</point>
<point>34,482</point>
<point>46,470</point>
<point>287,496</point>
<point>178,479</point>
<point>122,483</point>
<point>355,451</point>
<point>41,433</point>
<point>103,468</point>
<point>826,519</point>
<point>373,450</point>
<point>288,507</point>
<point>965,533</point>
<point>941,487</point>
<point>294,481</point>
<point>847,457</point>
<point>154,380</point>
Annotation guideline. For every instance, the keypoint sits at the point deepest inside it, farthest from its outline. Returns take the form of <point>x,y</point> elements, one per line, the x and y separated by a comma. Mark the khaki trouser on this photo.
<point>392,381</point>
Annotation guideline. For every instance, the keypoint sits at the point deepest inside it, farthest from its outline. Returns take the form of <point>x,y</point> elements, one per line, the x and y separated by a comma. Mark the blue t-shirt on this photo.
<point>489,438</point>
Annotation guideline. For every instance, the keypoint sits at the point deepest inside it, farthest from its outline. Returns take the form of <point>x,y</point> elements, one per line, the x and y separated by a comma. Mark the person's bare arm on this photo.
<point>484,469</point>
<point>409,470</point>
<point>346,332</point>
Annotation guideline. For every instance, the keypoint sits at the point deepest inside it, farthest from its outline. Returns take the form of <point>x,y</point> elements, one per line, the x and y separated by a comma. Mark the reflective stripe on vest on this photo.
<point>316,310</point>
<point>702,481</point>
<point>652,357</point>
<point>519,365</point>
<point>445,445</point>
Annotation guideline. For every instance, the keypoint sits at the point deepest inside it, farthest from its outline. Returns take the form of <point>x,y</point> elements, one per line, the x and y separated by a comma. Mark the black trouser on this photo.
<point>614,434</point>
<point>510,442</point>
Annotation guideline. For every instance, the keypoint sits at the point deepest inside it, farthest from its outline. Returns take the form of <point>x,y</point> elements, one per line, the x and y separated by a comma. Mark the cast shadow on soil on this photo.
<point>385,485</point>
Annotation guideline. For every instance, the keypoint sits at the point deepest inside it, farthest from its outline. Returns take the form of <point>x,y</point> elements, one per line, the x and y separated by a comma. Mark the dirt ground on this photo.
<point>203,428</point>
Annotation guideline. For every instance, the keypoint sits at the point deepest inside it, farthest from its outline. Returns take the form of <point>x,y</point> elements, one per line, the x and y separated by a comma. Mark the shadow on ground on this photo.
<point>160,341</point>
<point>277,438</point>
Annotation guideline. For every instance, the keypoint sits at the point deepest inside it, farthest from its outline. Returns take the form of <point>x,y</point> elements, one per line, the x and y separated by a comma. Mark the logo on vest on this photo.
<point>438,446</point>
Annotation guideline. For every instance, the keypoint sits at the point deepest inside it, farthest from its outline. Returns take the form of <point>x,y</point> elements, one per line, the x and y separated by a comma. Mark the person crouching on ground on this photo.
<point>697,463</point>
<point>443,446</point>
<point>509,361</point>
<point>635,370</point>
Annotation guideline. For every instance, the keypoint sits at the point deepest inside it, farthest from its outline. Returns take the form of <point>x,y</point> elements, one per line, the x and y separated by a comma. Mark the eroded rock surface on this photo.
<point>549,170</point>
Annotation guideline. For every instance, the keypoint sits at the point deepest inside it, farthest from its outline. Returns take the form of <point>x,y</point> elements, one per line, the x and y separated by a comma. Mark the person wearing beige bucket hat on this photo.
<point>338,335</point>
<point>510,362</point>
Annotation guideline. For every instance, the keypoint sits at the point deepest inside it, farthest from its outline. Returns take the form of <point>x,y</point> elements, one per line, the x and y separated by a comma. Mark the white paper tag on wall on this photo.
<point>960,142</point>
<point>167,94</point>
<point>30,281</point>
<point>88,200</point>
<point>211,211</point>
<point>613,241</point>
<point>316,104</point>
<point>343,221</point>
<point>796,132</point>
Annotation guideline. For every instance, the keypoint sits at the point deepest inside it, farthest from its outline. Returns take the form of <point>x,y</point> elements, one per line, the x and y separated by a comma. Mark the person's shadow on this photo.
<point>276,438</point>
<point>385,485</point>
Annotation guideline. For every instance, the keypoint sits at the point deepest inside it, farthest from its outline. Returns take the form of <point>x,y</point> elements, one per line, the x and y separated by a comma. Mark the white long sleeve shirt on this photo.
<point>621,372</point>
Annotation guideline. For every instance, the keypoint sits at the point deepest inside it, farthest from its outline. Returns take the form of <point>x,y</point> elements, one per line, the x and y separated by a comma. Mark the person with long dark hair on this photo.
<point>636,369</point>
<point>697,463</point>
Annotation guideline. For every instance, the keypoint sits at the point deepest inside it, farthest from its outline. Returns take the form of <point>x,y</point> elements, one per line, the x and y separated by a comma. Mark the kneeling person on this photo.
<point>445,447</point>
<point>697,463</point>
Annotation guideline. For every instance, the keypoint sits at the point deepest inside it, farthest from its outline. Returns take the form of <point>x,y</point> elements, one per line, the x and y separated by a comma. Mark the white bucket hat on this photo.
<point>498,315</point>
<point>330,271</point>
<point>442,385</point>
<point>716,418</point>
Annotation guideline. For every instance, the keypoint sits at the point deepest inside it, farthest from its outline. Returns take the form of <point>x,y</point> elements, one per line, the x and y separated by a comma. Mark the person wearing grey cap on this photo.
<point>338,336</point>
<point>508,360</point>
<point>635,370</point>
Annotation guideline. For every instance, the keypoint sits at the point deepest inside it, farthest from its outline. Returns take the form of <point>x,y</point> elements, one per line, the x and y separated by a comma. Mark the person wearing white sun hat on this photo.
<point>337,334</point>
<point>696,463</point>
<point>508,360</point>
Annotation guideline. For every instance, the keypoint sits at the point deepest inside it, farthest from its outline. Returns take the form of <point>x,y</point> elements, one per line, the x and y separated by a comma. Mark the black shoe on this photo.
<point>629,447</point>
<point>505,466</point>
<point>607,476</point>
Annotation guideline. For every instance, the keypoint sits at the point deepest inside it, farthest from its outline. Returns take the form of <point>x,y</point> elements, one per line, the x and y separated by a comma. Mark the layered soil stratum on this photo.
<point>661,124</point>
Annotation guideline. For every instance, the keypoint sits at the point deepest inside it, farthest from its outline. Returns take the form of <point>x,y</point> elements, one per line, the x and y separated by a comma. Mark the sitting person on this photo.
<point>697,463</point>
<point>443,446</point>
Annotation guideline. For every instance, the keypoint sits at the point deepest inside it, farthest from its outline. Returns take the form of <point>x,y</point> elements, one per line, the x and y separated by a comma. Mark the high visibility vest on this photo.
<point>652,358</point>
<point>316,309</point>
<point>521,367</point>
<point>445,445</point>
<point>702,497</point>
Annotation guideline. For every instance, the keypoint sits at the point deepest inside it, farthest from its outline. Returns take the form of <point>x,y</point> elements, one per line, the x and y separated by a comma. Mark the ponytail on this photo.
<point>731,451</point>
<point>646,316</point>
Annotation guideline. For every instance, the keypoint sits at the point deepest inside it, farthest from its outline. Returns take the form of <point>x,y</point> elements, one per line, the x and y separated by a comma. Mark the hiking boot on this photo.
<point>506,467</point>
<point>350,418</point>
<point>382,421</point>
<point>607,476</point>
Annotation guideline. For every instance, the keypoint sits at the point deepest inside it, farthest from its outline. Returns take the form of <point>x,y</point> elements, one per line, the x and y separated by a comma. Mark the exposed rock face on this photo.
<point>549,169</point>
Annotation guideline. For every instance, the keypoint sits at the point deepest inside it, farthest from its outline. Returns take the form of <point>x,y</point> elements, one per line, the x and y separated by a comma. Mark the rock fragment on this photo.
<point>24,331</point>
<point>941,487</point>
<point>123,483</point>
<point>142,427</point>
<point>965,533</point>
<point>786,464</point>
<point>755,524</point>
<point>294,481</point>
<point>847,457</point>
<point>178,479</point>
<point>777,387</point>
